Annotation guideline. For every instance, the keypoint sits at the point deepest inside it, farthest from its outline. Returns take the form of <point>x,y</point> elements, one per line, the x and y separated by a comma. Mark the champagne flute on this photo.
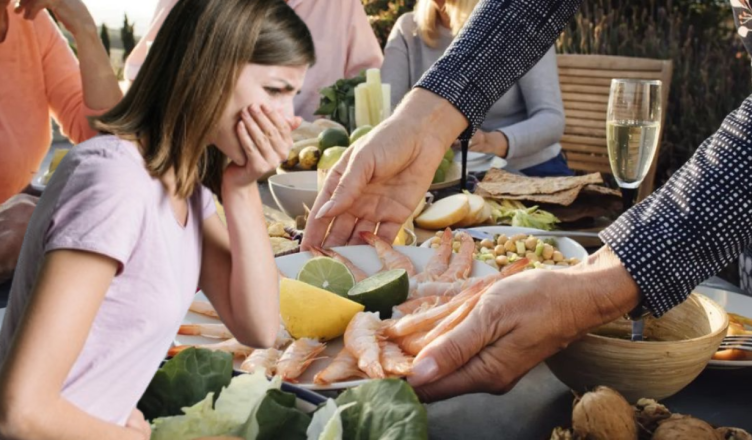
<point>633,125</point>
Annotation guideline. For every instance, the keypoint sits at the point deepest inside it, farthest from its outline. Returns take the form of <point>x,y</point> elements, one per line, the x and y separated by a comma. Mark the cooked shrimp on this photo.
<point>266,359</point>
<point>208,330</point>
<point>394,360</point>
<point>362,340</point>
<point>357,272</point>
<point>344,366</point>
<point>438,288</point>
<point>412,344</point>
<point>298,356</point>
<point>453,319</point>
<point>439,262</point>
<point>203,308</point>
<point>462,263</point>
<point>413,305</point>
<point>283,337</point>
<point>391,258</point>
<point>231,346</point>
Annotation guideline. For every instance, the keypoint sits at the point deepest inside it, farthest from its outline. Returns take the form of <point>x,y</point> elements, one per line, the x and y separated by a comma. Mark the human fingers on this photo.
<point>261,138</point>
<point>363,225</point>
<point>388,230</point>
<point>282,125</point>
<point>316,228</point>
<point>354,176</point>
<point>252,155</point>
<point>340,230</point>
<point>31,8</point>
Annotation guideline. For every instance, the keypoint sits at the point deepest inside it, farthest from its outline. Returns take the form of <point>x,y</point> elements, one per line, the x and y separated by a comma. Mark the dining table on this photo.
<point>540,402</point>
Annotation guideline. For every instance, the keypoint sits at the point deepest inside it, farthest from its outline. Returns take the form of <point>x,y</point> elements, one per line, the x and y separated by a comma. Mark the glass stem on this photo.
<point>628,196</point>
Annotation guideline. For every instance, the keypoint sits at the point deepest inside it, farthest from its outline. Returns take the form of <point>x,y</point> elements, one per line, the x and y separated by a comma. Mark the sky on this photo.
<point>111,12</point>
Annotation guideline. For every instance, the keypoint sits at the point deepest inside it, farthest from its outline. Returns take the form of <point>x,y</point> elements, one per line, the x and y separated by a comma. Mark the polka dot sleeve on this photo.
<point>694,225</point>
<point>502,41</point>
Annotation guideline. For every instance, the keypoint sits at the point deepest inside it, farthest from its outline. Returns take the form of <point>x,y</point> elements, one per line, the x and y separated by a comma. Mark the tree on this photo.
<point>104,34</point>
<point>129,39</point>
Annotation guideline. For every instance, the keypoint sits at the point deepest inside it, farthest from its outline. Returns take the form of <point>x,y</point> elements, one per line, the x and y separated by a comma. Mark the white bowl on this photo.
<point>292,190</point>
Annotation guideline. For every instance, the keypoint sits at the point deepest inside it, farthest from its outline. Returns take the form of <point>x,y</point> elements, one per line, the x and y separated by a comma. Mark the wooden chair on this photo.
<point>585,83</point>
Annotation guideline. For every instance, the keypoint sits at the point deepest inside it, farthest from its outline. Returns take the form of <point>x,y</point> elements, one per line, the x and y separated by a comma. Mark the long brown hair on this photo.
<point>192,68</point>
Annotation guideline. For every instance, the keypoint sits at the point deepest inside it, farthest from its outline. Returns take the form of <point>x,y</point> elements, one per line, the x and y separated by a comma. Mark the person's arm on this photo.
<point>14,218</point>
<point>696,224</point>
<point>238,273</point>
<point>396,68</point>
<point>501,42</point>
<point>544,125</point>
<point>52,333</point>
<point>138,55</point>
<point>363,51</point>
<point>75,89</point>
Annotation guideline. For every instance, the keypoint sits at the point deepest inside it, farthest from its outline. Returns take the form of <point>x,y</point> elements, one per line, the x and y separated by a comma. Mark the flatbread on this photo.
<point>501,184</point>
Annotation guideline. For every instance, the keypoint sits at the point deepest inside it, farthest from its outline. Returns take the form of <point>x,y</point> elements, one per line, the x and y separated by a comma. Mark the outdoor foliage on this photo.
<point>383,13</point>
<point>128,37</point>
<point>104,34</point>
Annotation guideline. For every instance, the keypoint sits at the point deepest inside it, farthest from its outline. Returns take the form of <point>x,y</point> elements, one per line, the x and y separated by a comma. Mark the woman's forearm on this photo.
<point>59,420</point>
<point>431,115</point>
<point>100,85</point>
<point>254,280</point>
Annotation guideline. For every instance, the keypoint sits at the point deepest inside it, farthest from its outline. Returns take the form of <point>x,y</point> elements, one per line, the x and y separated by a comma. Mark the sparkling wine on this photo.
<point>631,147</point>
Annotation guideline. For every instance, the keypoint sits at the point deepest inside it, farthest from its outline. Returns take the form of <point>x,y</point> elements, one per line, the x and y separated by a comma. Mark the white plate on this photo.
<point>568,247</point>
<point>362,256</point>
<point>734,303</point>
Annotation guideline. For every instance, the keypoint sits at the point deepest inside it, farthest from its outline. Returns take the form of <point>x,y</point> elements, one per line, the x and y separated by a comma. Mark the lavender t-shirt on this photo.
<point>101,199</point>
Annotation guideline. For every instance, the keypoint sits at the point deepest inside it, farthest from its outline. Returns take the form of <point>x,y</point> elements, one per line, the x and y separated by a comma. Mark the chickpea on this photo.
<point>435,240</point>
<point>573,261</point>
<point>499,250</point>
<point>486,250</point>
<point>558,257</point>
<point>456,246</point>
<point>562,263</point>
<point>486,243</point>
<point>531,243</point>
<point>548,262</point>
<point>510,246</point>
<point>502,260</point>
<point>434,245</point>
<point>518,237</point>
<point>548,252</point>
<point>531,256</point>
<point>502,239</point>
<point>439,233</point>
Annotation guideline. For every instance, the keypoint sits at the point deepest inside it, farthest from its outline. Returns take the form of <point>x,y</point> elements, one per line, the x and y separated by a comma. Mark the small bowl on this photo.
<point>678,346</point>
<point>292,190</point>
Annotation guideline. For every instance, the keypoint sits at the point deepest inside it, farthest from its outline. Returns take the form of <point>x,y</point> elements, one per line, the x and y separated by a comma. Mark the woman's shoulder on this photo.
<point>406,23</point>
<point>109,158</point>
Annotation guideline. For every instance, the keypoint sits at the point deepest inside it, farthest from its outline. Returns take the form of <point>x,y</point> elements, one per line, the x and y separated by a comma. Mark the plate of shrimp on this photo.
<point>444,287</point>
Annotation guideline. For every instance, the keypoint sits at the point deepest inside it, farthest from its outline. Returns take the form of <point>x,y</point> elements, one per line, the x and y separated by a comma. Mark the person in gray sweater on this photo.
<point>524,126</point>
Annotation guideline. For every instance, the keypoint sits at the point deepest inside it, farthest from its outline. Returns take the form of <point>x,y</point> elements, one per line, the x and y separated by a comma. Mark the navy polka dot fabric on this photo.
<point>501,42</point>
<point>696,224</point>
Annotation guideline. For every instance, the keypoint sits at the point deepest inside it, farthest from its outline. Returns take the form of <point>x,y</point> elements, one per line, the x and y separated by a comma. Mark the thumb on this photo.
<point>449,352</point>
<point>355,173</point>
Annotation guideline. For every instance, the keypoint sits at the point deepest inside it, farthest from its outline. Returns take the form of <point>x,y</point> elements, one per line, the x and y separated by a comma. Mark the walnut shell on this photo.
<point>603,414</point>
<point>733,433</point>
<point>679,427</point>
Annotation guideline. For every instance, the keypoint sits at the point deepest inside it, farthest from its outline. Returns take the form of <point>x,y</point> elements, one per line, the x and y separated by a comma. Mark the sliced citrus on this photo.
<point>382,291</point>
<point>328,274</point>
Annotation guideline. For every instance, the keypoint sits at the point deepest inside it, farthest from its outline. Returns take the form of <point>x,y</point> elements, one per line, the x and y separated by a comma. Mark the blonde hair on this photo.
<point>187,79</point>
<point>428,19</point>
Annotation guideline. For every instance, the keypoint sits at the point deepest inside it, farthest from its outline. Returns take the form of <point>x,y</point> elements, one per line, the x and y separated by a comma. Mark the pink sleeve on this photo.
<point>138,55</point>
<point>62,79</point>
<point>208,207</point>
<point>363,51</point>
<point>101,209</point>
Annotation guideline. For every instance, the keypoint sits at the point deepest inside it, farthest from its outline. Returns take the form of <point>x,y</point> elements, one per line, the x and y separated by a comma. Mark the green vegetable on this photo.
<point>539,248</point>
<point>514,213</point>
<point>338,98</point>
<point>185,380</point>
<point>200,420</point>
<point>278,418</point>
<point>384,410</point>
<point>327,423</point>
<point>521,249</point>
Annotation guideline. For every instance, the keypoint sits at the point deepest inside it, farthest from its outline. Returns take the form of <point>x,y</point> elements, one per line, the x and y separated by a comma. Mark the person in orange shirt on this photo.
<point>40,77</point>
<point>345,45</point>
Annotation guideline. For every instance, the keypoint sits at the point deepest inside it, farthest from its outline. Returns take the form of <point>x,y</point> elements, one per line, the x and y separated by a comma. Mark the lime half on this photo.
<point>382,291</point>
<point>327,274</point>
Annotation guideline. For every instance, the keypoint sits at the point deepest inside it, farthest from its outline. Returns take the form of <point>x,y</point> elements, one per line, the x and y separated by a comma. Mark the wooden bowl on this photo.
<point>677,348</point>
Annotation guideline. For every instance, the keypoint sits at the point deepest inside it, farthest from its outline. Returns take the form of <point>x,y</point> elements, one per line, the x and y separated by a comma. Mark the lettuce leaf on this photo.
<point>185,380</point>
<point>276,418</point>
<point>384,410</point>
<point>327,423</point>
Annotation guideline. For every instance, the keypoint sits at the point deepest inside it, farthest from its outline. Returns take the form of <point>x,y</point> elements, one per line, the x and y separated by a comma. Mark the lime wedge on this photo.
<point>382,291</point>
<point>328,274</point>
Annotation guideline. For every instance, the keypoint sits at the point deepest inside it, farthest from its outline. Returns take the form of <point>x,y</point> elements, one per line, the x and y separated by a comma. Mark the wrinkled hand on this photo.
<point>379,180</point>
<point>517,324</point>
<point>14,218</point>
<point>266,138</point>
<point>494,142</point>
<point>137,422</point>
<point>72,13</point>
